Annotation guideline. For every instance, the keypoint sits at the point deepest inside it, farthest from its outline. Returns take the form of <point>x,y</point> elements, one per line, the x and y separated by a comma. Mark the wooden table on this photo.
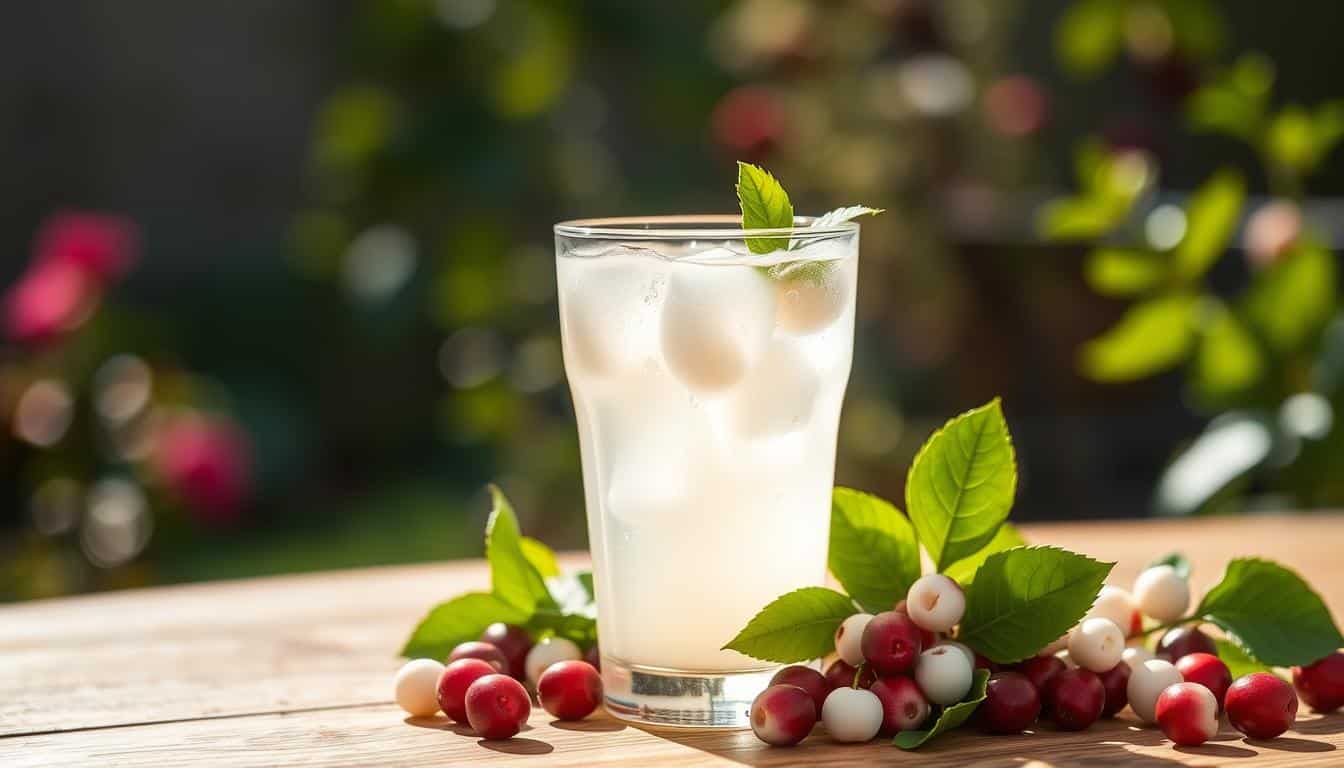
<point>297,670</point>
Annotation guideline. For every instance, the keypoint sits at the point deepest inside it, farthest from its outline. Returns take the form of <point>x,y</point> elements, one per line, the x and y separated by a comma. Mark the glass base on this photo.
<point>667,697</point>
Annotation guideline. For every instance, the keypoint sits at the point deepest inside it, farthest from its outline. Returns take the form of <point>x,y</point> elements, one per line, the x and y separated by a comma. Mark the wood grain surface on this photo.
<point>296,671</point>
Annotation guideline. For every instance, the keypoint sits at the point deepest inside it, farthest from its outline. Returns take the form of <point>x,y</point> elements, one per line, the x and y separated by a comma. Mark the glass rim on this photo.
<point>693,227</point>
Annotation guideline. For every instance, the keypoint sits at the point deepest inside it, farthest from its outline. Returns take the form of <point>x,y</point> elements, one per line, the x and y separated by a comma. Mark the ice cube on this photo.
<point>811,296</point>
<point>779,394</point>
<point>716,323</point>
<point>609,310</point>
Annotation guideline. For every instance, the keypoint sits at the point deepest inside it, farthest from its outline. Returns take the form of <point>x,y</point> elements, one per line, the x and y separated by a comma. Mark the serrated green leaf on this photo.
<point>1211,219</point>
<point>1006,538</point>
<point>540,556</point>
<point>765,205</point>
<point>831,218</point>
<point>1238,661</point>
<point>952,717</point>
<point>1088,36</point>
<point>512,577</point>
<point>461,619</point>
<point>1177,561</point>
<point>1272,613</point>
<point>1289,303</point>
<point>796,626</point>
<point>873,552</point>
<point>1125,271</point>
<point>961,484</point>
<point>1024,598</point>
<point>582,630</point>
<point>1153,335</point>
<point>1227,360</point>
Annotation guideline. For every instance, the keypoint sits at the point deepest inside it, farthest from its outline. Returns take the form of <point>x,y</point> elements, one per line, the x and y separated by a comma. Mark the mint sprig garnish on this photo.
<point>527,589</point>
<point>765,205</point>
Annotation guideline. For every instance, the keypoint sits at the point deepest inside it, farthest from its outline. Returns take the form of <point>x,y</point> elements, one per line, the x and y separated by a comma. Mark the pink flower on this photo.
<point>49,299</point>
<point>206,462</point>
<point>103,246</point>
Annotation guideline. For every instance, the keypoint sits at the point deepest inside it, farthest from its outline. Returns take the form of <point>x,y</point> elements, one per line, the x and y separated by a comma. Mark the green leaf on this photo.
<point>1153,335</point>
<point>1078,218</point>
<point>964,570</point>
<point>586,581</point>
<point>952,717</point>
<point>580,629</point>
<point>1177,561</point>
<point>1125,271</point>
<point>1227,361</point>
<point>831,218</point>
<point>540,556</point>
<point>1211,219</point>
<point>1272,613</point>
<point>1024,598</point>
<point>1290,302</point>
<point>873,552</point>
<point>1238,661</point>
<point>1088,36</point>
<point>514,579</point>
<point>765,205</point>
<point>797,626</point>
<point>1291,139</point>
<point>961,484</point>
<point>461,619</point>
<point>1219,108</point>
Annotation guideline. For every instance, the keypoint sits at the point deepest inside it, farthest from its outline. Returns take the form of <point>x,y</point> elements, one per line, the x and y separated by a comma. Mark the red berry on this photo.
<point>453,684</point>
<point>1040,669</point>
<point>1183,641</point>
<point>1261,705</point>
<point>513,642</point>
<point>891,643</point>
<point>570,690</point>
<point>1207,670</point>
<point>1187,713</point>
<point>1076,698</point>
<point>475,649</point>
<point>1116,682</point>
<point>1011,703</point>
<point>904,707</point>
<point>1322,683</point>
<point>783,715</point>
<point>841,675</point>
<point>927,639</point>
<point>808,679</point>
<point>497,706</point>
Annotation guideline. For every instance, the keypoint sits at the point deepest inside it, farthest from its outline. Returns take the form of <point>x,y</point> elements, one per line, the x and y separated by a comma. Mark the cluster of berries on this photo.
<point>482,683</point>
<point>896,668</point>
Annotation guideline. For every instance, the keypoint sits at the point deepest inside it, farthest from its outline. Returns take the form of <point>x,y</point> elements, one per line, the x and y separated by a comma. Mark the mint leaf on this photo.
<point>961,484</point>
<point>952,717</point>
<point>540,556</point>
<point>765,205</point>
<point>1238,661</point>
<point>797,626</point>
<point>1024,598</point>
<point>1212,213</point>
<point>1177,561</point>
<point>1272,613</point>
<point>831,218</point>
<point>964,570</point>
<point>580,629</point>
<point>514,578</point>
<point>461,619</point>
<point>873,552</point>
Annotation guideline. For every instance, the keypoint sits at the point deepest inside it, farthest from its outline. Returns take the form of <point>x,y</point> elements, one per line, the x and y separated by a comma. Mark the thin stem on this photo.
<point>858,672</point>
<point>1166,626</point>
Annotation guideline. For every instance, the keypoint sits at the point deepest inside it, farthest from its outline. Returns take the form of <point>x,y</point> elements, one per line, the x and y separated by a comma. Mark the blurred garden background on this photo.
<point>279,285</point>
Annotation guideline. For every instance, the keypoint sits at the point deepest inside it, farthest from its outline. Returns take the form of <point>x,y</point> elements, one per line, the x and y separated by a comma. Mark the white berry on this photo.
<point>1161,593</point>
<point>1096,644</point>
<point>1146,683</point>
<point>1135,655</point>
<point>416,687</point>
<point>849,636</point>
<point>548,652</point>
<point>965,650</point>
<point>935,602</point>
<point>852,714</point>
<point>1117,605</point>
<point>943,674</point>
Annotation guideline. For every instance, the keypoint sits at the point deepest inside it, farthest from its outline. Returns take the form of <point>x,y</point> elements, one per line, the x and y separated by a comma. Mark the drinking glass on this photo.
<point>707,381</point>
